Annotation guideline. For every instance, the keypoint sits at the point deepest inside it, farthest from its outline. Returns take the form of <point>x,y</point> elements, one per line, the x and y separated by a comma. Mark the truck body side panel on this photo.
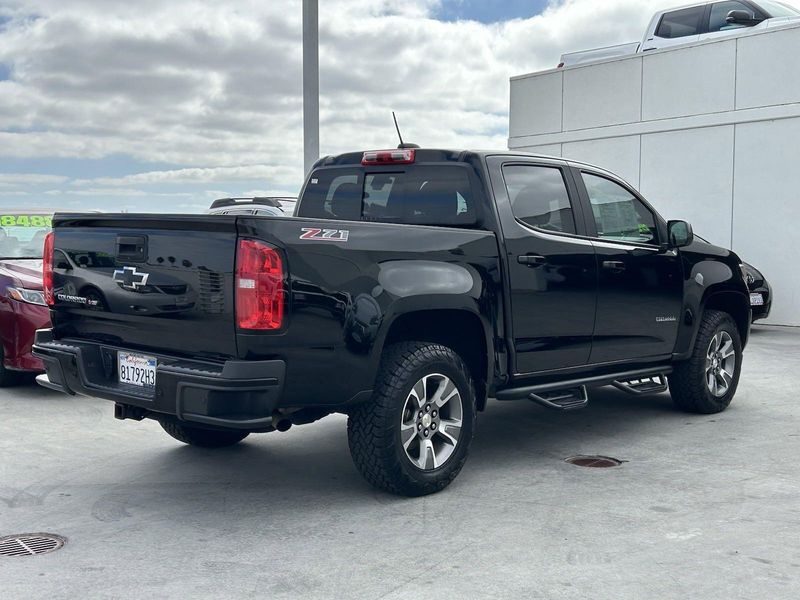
<point>347,290</point>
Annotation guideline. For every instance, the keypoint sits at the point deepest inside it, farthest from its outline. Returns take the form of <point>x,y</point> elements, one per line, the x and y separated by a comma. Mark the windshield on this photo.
<point>778,9</point>
<point>22,235</point>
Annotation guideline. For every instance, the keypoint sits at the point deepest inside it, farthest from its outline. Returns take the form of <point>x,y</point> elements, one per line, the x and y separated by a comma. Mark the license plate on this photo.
<point>756,300</point>
<point>136,369</point>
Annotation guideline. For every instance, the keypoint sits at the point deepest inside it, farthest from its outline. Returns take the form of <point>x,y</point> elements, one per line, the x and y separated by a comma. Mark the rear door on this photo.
<point>682,26</point>
<point>640,284</point>
<point>147,281</point>
<point>551,268</point>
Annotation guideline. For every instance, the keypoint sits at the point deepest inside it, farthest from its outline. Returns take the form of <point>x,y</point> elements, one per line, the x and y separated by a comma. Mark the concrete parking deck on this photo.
<point>705,506</point>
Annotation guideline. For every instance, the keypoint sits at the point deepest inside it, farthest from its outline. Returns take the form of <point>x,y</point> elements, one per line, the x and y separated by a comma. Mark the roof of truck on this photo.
<point>439,155</point>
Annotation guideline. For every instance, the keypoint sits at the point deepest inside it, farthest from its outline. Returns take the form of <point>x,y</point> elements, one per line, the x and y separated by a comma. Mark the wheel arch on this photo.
<point>735,304</point>
<point>464,331</point>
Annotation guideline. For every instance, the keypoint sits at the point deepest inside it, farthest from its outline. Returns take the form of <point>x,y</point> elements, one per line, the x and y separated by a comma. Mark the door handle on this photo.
<point>531,260</point>
<point>617,266</point>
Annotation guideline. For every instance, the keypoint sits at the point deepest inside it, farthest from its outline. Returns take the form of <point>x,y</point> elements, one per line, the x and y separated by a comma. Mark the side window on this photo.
<point>719,12</point>
<point>680,23</point>
<point>539,197</point>
<point>618,214</point>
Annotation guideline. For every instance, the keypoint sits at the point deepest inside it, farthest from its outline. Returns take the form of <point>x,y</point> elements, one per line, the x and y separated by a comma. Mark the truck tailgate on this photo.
<point>147,281</point>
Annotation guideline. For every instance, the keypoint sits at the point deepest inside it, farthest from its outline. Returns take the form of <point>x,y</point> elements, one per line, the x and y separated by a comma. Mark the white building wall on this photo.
<point>766,227</point>
<point>703,157</point>
<point>709,133</point>
<point>590,102</point>
<point>617,154</point>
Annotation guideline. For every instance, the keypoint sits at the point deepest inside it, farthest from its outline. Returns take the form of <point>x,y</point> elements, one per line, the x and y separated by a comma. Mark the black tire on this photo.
<point>204,438</point>
<point>7,377</point>
<point>688,383</point>
<point>373,428</point>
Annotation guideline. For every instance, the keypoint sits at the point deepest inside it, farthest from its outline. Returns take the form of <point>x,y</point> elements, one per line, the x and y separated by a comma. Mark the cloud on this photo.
<point>27,178</point>
<point>210,86</point>
<point>190,175</point>
<point>117,192</point>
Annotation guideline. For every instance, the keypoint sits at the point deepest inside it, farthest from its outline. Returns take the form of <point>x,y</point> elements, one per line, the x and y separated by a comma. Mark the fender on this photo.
<point>422,286</point>
<point>708,271</point>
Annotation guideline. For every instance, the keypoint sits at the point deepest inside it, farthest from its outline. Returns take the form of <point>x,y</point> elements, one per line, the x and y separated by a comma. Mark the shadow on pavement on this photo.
<point>315,459</point>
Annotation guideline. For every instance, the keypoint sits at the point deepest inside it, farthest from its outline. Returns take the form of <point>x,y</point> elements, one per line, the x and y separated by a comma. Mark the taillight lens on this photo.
<point>404,156</point>
<point>259,286</point>
<point>47,270</point>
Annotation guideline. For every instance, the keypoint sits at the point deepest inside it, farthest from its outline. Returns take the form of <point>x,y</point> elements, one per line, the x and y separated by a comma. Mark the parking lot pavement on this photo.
<point>705,506</point>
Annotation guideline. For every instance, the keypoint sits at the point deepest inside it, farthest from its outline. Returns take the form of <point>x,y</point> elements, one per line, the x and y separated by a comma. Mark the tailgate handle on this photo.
<point>132,248</point>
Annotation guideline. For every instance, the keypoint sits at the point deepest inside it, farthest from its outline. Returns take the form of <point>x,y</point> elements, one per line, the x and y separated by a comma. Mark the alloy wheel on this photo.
<point>430,426</point>
<point>720,364</point>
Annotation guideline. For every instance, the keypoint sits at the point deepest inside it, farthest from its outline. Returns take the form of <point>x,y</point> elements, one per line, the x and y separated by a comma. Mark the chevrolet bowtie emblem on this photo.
<point>130,279</point>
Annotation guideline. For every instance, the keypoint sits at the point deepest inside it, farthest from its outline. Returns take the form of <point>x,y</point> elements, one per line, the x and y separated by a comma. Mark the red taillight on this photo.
<point>47,270</point>
<point>259,286</point>
<point>404,156</point>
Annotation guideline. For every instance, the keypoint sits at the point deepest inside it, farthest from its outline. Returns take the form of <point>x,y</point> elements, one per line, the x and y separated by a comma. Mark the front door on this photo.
<point>717,14</point>
<point>640,285</point>
<point>552,271</point>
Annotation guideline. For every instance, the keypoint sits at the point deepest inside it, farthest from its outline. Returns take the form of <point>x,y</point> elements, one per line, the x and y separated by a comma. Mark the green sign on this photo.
<point>26,221</point>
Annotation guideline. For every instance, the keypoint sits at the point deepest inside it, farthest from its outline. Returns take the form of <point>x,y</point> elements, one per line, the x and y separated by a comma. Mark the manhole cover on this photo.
<point>29,544</point>
<point>597,462</point>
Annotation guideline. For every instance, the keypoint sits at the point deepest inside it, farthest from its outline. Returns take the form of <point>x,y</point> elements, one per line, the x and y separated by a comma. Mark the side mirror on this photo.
<point>679,233</point>
<point>742,17</point>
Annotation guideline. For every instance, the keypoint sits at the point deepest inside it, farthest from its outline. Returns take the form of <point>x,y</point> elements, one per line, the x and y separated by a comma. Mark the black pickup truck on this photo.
<point>410,286</point>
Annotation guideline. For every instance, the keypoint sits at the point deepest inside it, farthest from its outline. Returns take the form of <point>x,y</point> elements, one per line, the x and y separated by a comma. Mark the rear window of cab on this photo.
<point>423,195</point>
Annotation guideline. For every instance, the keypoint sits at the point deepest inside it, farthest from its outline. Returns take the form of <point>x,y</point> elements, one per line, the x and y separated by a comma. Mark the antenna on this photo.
<point>402,145</point>
<point>396,126</point>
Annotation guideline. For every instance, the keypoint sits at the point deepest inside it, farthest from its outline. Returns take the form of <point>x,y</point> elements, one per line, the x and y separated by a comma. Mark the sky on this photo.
<point>165,106</point>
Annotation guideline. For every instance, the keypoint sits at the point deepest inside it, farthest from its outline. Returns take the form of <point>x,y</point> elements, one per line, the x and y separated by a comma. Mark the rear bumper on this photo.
<point>233,394</point>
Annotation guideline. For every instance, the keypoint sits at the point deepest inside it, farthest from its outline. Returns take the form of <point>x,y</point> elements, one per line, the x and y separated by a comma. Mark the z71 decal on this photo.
<point>324,235</point>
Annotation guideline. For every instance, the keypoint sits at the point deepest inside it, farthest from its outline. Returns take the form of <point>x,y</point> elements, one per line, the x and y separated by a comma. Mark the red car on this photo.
<point>22,306</point>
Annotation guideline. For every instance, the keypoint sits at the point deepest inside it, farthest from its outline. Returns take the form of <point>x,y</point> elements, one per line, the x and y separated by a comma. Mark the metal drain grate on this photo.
<point>597,462</point>
<point>30,544</point>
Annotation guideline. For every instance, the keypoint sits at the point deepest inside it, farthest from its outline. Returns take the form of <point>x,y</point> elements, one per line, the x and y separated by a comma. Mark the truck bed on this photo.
<point>594,55</point>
